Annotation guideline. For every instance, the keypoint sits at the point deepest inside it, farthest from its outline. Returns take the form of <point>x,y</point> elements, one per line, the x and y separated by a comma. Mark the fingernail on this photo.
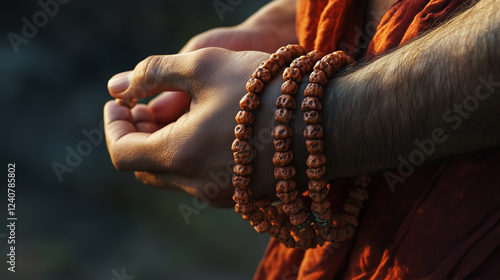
<point>119,82</point>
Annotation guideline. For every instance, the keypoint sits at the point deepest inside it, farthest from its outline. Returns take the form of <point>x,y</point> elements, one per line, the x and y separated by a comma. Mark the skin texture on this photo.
<point>266,30</point>
<point>377,110</point>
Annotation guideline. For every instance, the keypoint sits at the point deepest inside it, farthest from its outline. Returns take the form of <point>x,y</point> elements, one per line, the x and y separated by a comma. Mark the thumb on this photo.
<point>151,76</point>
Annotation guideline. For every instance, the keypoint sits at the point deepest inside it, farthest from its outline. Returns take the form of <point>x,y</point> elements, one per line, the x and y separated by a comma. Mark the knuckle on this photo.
<point>206,60</point>
<point>148,72</point>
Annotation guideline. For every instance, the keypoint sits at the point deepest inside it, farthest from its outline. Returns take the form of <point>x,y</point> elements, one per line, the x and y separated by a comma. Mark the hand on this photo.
<point>188,151</point>
<point>239,38</point>
<point>268,29</point>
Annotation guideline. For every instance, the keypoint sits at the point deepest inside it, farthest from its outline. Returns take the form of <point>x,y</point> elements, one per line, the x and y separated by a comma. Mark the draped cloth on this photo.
<point>441,222</point>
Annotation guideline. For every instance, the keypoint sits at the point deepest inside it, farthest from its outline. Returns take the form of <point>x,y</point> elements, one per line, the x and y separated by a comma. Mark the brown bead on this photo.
<point>286,101</point>
<point>284,172</point>
<point>240,182</point>
<point>270,211</point>
<point>262,226</point>
<point>241,146</point>
<point>243,158</point>
<point>283,115</point>
<point>271,65</point>
<point>312,117</point>
<point>319,196</point>
<point>311,103</point>
<point>325,231</point>
<point>289,87</point>
<point>318,77</point>
<point>263,202</point>
<point>314,146</point>
<point>288,197</point>
<point>326,214</point>
<point>358,193</point>
<point>316,160</point>
<point>242,131</point>
<point>255,85</point>
<point>244,117</point>
<point>315,55</point>
<point>314,90</point>
<point>350,219</point>
<point>282,131</point>
<point>299,218</point>
<point>282,158</point>
<point>337,220</point>
<point>350,230</point>
<point>353,207</point>
<point>278,58</point>
<point>307,233</point>
<point>284,234</point>
<point>286,53</point>
<point>313,131</point>
<point>242,196</point>
<point>326,67</point>
<point>334,59</point>
<point>345,59</point>
<point>281,218</point>
<point>315,173</point>
<point>255,215</point>
<point>255,222</point>
<point>316,185</point>
<point>250,101</point>
<point>284,186</point>
<point>244,208</point>
<point>290,243</point>
<point>320,207</point>
<point>348,60</point>
<point>282,145</point>
<point>293,207</point>
<point>297,50</point>
<point>262,74</point>
<point>303,63</point>
<point>243,169</point>
<point>341,234</point>
<point>292,73</point>
<point>274,230</point>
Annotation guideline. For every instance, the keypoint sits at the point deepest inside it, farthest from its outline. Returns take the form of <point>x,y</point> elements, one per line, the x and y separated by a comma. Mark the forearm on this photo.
<point>443,88</point>
<point>277,17</point>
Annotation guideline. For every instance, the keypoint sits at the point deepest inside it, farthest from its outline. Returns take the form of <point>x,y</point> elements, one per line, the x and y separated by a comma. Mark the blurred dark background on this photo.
<point>95,220</point>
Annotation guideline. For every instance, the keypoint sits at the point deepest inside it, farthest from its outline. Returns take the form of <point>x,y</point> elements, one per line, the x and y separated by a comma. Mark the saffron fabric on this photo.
<point>442,221</point>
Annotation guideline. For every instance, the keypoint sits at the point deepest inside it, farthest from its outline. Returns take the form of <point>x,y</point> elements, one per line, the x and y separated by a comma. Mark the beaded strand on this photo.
<point>291,223</point>
<point>262,216</point>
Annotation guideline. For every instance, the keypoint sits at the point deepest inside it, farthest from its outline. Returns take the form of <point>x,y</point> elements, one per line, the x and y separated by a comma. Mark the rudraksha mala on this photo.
<point>290,222</point>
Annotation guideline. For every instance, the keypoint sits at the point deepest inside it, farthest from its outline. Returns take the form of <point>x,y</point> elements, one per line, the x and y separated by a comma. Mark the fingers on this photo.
<point>169,106</point>
<point>154,75</point>
<point>144,119</point>
<point>165,181</point>
<point>129,148</point>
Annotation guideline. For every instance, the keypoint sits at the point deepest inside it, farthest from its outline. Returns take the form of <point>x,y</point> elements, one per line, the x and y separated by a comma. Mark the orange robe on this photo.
<point>442,222</point>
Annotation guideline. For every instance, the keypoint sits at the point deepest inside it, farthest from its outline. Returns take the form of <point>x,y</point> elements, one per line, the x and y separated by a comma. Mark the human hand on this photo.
<point>189,151</point>
<point>268,29</point>
<point>237,38</point>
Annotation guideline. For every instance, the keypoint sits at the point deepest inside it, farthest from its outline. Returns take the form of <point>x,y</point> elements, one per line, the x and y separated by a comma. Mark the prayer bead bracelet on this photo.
<point>290,222</point>
<point>262,216</point>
